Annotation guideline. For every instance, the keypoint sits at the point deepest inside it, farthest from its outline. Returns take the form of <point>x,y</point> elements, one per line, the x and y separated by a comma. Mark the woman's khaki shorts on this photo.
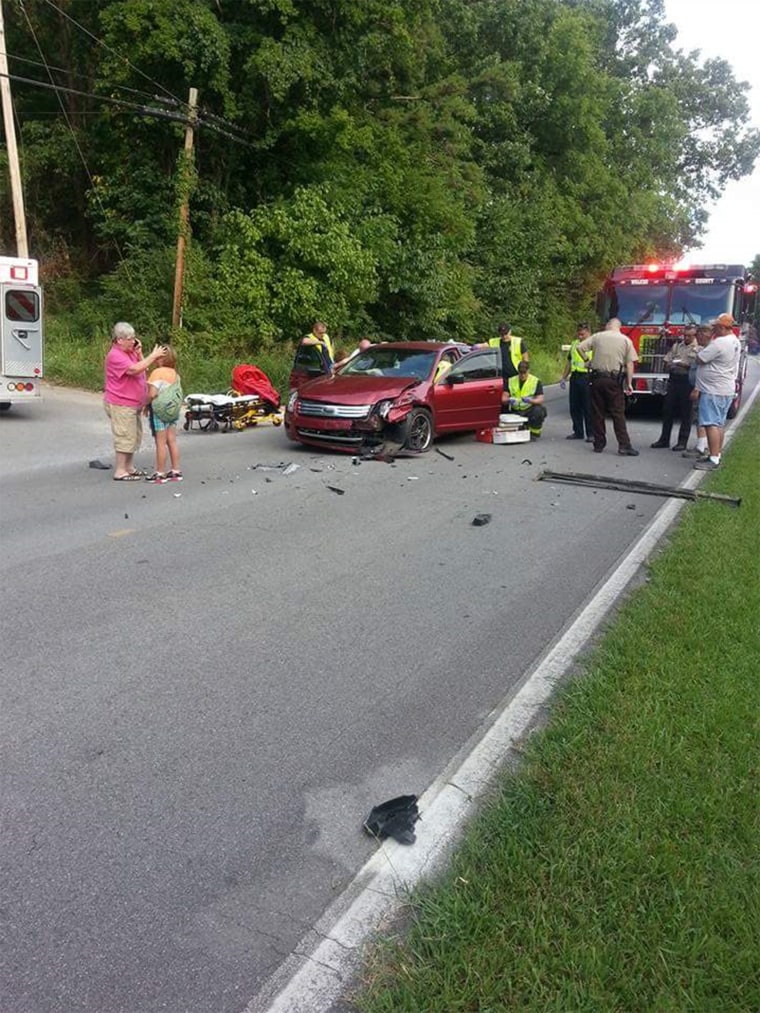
<point>126,426</point>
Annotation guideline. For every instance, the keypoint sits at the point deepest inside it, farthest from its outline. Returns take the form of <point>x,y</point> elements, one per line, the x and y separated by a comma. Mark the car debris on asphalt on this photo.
<point>394,818</point>
<point>100,465</point>
<point>334,488</point>
<point>479,520</point>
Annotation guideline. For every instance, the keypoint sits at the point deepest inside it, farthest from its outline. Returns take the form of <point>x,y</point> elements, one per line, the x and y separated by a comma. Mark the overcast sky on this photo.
<point>729,29</point>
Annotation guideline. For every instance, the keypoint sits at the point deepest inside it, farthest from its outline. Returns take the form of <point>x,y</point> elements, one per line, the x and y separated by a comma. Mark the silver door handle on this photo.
<point>21,341</point>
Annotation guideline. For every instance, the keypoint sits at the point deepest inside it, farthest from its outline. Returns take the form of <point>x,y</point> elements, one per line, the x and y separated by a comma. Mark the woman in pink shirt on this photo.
<point>124,396</point>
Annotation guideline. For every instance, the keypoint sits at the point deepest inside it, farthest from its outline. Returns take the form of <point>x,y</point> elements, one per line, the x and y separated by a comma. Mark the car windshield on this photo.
<point>390,361</point>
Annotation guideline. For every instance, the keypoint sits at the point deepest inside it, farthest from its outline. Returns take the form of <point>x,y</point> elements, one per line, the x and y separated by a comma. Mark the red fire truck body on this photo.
<point>655,301</point>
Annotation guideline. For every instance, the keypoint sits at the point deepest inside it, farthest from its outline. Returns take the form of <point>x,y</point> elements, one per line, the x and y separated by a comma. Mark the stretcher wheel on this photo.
<point>277,420</point>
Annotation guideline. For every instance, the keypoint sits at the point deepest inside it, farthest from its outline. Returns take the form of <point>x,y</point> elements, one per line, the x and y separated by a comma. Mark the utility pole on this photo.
<point>184,211</point>
<point>22,248</point>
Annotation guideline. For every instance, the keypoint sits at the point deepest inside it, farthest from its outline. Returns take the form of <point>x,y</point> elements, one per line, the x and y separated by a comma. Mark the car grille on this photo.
<point>319,409</point>
<point>331,435</point>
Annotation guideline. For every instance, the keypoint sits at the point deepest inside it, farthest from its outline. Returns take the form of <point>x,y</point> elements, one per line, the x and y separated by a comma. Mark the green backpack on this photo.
<point>167,404</point>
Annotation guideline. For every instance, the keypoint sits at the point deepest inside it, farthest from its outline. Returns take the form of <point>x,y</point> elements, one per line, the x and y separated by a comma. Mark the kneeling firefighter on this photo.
<point>526,397</point>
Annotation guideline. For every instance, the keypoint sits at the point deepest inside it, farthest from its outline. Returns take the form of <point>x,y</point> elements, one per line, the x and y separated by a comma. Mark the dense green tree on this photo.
<point>416,168</point>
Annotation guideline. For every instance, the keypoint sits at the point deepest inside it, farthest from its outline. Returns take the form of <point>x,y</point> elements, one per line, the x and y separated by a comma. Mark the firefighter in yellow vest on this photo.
<point>323,342</point>
<point>526,397</point>
<point>513,351</point>
<point>577,369</point>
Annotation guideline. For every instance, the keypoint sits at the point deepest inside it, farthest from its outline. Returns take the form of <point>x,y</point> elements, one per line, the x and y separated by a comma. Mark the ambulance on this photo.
<point>21,337</point>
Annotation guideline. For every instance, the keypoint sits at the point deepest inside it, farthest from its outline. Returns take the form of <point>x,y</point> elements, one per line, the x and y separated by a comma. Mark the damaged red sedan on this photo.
<point>408,392</point>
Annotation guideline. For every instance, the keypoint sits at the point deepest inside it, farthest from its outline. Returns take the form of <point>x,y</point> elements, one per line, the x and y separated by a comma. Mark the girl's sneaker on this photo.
<point>157,478</point>
<point>174,476</point>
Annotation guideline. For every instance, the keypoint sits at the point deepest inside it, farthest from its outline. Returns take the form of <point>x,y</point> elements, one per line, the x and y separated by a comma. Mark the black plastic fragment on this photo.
<point>100,465</point>
<point>334,488</point>
<point>394,818</point>
<point>480,519</point>
<point>444,454</point>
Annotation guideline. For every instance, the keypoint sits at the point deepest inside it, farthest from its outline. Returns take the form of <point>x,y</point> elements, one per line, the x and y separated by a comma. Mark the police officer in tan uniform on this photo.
<point>611,374</point>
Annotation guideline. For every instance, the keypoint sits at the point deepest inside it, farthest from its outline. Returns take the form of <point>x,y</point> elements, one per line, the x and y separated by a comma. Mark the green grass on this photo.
<point>620,868</point>
<point>76,360</point>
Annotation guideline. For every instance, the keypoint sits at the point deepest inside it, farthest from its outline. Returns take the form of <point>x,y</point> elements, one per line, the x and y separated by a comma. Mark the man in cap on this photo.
<point>611,373</point>
<point>717,367</point>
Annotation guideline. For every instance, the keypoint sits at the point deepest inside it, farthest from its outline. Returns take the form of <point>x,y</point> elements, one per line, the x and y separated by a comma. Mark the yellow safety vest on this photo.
<point>577,364</point>
<point>515,348</point>
<point>441,369</point>
<point>528,389</point>
<point>327,342</point>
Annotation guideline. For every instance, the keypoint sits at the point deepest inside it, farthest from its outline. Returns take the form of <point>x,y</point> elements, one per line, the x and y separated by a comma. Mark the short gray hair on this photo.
<point>122,330</point>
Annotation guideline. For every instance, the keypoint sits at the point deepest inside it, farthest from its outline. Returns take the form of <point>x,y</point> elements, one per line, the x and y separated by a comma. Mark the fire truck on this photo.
<point>21,335</point>
<point>655,301</point>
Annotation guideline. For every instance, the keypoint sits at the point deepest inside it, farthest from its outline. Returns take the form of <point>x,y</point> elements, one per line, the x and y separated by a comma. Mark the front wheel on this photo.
<point>418,430</point>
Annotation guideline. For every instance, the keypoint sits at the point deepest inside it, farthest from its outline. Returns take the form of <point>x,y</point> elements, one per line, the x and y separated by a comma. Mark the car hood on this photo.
<point>355,390</point>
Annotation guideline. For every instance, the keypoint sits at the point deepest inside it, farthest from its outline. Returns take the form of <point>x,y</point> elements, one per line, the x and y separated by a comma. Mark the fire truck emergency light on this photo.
<point>750,288</point>
<point>652,268</point>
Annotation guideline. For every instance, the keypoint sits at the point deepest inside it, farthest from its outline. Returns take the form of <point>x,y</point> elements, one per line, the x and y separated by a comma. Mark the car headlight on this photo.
<point>383,407</point>
<point>292,400</point>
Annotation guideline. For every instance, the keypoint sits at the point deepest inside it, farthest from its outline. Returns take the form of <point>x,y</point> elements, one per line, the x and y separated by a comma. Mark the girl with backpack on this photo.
<point>163,408</point>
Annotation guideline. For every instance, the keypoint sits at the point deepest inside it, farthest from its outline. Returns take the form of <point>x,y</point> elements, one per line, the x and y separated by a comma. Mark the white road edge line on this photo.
<point>315,975</point>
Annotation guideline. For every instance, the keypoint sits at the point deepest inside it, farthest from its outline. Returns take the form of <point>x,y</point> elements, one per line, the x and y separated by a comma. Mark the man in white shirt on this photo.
<point>717,366</point>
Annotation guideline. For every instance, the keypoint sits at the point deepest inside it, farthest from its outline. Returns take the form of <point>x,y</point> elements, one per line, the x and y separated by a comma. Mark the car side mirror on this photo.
<point>456,378</point>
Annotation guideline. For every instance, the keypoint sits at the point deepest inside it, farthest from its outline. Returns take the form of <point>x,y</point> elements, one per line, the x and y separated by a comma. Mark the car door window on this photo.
<point>478,366</point>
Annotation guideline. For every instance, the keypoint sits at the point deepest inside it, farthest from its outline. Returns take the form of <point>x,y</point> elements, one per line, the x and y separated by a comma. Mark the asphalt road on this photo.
<point>207,685</point>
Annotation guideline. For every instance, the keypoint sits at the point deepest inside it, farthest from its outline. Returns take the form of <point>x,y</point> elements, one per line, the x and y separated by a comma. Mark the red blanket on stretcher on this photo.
<point>252,380</point>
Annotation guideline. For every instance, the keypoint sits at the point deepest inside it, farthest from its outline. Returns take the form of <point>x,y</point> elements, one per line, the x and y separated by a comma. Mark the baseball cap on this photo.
<point>725,320</point>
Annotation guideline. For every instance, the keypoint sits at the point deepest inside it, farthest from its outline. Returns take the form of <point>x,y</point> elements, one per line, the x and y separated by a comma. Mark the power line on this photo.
<point>52,86</point>
<point>70,73</point>
<point>207,120</point>
<point>74,136</point>
<point>218,125</point>
<point>100,42</point>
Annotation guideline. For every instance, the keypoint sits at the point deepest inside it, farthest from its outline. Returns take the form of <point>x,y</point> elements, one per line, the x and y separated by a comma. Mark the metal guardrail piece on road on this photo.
<point>634,485</point>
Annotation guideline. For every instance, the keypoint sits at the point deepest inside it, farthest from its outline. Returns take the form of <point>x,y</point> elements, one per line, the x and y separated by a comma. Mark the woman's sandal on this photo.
<point>157,478</point>
<point>131,477</point>
<point>174,476</point>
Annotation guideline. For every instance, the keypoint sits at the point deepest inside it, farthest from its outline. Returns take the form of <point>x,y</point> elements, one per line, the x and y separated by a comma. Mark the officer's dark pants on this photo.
<point>607,396</point>
<point>677,403</point>
<point>580,404</point>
